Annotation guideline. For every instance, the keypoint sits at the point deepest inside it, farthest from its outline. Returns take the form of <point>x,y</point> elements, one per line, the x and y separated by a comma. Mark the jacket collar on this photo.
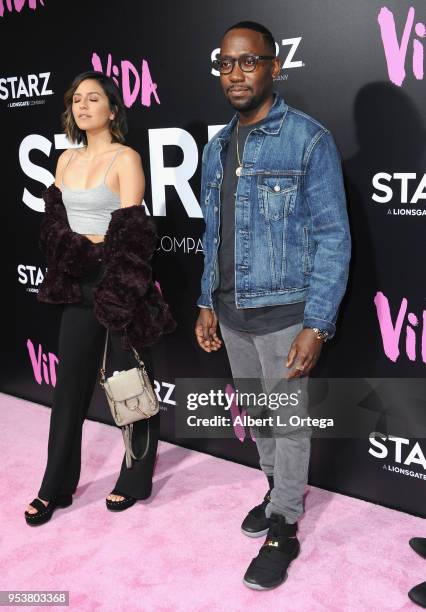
<point>271,125</point>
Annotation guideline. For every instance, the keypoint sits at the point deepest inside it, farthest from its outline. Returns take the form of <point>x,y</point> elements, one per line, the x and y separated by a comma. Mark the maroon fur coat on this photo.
<point>126,297</point>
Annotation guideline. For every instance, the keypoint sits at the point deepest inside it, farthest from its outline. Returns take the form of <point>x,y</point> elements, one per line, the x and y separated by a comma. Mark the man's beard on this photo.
<point>245,105</point>
<point>251,103</point>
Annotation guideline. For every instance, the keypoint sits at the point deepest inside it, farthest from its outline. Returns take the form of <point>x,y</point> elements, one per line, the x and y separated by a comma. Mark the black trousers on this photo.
<point>81,344</point>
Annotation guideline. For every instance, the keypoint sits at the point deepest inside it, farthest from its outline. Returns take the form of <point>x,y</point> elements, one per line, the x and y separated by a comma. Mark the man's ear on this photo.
<point>276,67</point>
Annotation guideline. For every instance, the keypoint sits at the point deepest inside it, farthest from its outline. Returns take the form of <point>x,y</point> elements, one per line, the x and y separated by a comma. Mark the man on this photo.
<point>277,250</point>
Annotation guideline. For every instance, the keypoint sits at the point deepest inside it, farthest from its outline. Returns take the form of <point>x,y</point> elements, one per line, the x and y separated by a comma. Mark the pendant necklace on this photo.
<point>240,165</point>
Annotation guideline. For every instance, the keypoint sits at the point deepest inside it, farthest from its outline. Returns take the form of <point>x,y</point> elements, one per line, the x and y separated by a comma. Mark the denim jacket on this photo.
<point>292,240</point>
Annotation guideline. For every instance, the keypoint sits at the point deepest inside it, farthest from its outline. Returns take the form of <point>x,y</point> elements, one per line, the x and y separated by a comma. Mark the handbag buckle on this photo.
<point>130,403</point>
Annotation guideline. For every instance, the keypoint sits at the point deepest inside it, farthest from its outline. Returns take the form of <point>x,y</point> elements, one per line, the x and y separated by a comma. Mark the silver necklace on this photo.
<point>239,168</point>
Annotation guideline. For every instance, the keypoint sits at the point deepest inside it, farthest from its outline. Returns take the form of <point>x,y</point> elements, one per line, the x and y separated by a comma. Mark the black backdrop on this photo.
<point>345,66</point>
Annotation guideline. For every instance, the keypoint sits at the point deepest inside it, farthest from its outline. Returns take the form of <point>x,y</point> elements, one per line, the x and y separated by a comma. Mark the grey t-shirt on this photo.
<point>262,320</point>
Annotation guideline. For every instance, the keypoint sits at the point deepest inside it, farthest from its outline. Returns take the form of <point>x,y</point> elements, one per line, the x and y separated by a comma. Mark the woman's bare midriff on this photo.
<point>95,238</point>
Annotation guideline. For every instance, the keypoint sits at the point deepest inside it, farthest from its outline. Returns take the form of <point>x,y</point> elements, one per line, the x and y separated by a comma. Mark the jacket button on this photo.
<point>218,175</point>
<point>216,209</point>
<point>277,188</point>
<point>215,240</point>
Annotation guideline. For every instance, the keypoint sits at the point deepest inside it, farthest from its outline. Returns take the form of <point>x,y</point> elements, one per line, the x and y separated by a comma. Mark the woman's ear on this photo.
<point>113,113</point>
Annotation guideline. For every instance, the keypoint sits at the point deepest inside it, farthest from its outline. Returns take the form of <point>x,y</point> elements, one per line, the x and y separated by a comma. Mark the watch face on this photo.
<point>322,334</point>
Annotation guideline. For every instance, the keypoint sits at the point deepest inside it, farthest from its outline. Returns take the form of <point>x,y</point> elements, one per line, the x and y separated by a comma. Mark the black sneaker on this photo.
<point>256,524</point>
<point>269,569</point>
<point>418,594</point>
<point>419,545</point>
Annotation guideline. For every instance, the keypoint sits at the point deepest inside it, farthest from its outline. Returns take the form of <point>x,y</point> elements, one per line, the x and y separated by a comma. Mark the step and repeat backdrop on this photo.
<point>356,66</point>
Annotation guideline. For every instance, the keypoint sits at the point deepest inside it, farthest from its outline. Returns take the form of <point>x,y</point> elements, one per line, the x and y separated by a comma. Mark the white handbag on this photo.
<point>131,398</point>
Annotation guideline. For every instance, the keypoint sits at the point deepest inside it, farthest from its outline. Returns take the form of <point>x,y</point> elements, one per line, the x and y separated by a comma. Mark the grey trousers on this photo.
<point>285,457</point>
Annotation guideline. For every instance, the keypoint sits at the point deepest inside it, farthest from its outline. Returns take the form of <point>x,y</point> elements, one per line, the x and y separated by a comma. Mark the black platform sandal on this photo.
<point>44,513</point>
<point>118,506</point>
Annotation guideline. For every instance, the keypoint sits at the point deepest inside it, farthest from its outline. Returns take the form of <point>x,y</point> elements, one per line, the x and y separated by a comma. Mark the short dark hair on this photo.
<point>118,126</point>
<point>256,27</point>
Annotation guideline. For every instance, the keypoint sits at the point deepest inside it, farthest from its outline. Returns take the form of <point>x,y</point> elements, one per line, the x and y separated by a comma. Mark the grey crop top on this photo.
<point>89,210</point>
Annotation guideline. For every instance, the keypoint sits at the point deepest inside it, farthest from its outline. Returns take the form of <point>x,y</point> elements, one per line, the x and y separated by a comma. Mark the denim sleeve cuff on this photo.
<point>203,302</point>
<point>320,324</point>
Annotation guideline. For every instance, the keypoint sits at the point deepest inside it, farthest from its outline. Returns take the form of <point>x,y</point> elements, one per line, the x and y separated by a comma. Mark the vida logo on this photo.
<point>18,5</point>
<point>143,86</point>
<point>44,366</point>
<point>392,331</point>
<point>396,51</point>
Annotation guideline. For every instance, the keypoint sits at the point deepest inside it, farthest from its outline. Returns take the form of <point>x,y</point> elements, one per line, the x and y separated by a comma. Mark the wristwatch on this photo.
<point>321,334</point>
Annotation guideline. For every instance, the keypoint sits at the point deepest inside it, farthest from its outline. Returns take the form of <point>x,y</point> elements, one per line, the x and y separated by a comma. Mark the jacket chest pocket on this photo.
<point>277,196</point>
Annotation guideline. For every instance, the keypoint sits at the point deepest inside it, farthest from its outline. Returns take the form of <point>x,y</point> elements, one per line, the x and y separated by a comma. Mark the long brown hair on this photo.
<point>118,125</point>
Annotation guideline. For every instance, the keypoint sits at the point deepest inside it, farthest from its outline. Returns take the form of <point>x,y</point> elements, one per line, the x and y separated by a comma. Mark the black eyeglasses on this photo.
<point>247,62</point>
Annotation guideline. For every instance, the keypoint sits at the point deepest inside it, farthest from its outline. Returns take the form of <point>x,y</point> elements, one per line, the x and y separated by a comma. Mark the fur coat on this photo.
<point>126,298</point>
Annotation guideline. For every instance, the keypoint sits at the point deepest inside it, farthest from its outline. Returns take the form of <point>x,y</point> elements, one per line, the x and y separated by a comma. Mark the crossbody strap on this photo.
<point>135,353</point>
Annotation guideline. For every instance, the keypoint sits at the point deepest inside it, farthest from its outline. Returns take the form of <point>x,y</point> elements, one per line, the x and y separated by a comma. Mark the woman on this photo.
<point>98,242</point>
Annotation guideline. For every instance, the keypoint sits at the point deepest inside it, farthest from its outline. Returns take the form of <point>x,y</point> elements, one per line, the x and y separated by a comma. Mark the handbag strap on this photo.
<point>135,353</point>
<point>127,432</point>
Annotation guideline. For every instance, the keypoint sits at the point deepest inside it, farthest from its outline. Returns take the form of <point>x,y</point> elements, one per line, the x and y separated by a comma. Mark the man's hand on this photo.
<point>304,353</point>
<point>205,331</point>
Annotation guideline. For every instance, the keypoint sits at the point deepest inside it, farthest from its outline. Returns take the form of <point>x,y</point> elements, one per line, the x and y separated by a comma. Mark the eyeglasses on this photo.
<point>247,62</point>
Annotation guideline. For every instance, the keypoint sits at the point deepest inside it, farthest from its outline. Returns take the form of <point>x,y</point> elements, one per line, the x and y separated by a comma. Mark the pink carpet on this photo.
<point>182,549</point>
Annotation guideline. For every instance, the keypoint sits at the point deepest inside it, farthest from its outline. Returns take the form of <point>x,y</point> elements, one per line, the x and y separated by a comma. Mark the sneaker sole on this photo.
<point>255,534</point>
<point>258,587</point>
